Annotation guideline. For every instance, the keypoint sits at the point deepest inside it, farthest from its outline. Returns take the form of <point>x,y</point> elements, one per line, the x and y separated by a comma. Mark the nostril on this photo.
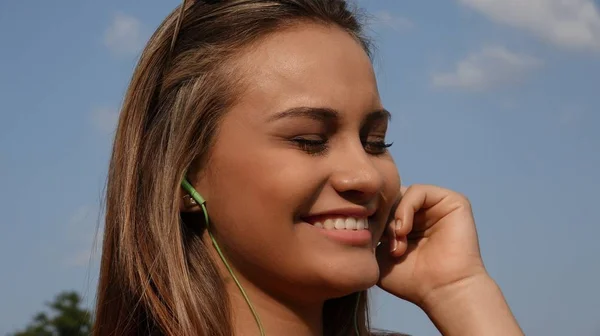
<point>358,197</point>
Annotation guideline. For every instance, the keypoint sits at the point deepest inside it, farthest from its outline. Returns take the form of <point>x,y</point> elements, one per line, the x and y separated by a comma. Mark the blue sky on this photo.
<point>498,99</point>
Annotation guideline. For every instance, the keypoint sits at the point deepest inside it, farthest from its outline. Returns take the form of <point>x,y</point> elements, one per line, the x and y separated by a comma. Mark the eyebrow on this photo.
<point>324,114</point>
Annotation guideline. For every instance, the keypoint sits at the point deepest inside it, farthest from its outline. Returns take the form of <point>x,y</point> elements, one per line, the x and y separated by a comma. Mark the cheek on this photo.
<point>262,183</point>
<point>254,193</point>
<point>253,198</point>
<point>391,176</point>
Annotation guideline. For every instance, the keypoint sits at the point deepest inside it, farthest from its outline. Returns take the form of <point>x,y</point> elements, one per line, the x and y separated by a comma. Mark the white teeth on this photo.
<point>328,224</point>
<point>360,224</point>
<point>345,223</point>
<point>350,223</point>
<point>340,223</point>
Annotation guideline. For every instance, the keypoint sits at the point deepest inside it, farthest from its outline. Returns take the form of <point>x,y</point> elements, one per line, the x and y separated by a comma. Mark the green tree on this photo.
<point>66,318</point>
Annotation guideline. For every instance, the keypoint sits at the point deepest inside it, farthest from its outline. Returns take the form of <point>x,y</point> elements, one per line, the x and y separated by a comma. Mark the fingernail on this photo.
<point>394,244</point>
<point>397,224</point>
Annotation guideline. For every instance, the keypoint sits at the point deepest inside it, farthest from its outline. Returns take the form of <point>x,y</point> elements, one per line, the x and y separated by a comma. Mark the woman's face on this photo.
<point>299,185</point>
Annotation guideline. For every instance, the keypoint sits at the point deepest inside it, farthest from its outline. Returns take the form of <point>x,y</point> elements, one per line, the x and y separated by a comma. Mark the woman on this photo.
<point>250,186</point>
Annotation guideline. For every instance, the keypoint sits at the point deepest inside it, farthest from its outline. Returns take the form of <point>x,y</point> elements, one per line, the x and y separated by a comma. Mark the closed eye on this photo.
<point>378,147</point>
<point>319,145</point>
<point>313,145</point>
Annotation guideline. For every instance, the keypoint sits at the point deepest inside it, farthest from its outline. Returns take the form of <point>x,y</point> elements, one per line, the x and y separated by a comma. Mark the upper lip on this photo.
<point>357,212</point>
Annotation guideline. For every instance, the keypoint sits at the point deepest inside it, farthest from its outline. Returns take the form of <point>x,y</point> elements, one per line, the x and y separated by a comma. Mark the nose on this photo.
<point>356,176</point>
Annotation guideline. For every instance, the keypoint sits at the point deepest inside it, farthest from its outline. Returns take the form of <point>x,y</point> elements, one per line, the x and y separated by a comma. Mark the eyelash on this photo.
<point>317,147</point>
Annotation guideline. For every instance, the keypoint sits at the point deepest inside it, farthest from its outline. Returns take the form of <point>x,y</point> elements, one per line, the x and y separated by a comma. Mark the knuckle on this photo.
<point>463,199</point>
<point>414,187</point>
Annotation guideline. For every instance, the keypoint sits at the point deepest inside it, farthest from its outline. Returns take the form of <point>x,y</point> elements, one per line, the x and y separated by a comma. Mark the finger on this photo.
<point>396,245</point>
<point>398,227</point>
<point>401,228</point>
<point>400,246</point>
<point>415,198</point>
<point>391,237</point>
<point>403,189</point>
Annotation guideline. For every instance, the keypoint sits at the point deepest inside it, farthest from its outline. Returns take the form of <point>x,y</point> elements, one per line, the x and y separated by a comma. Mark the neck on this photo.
<point>277,317</point>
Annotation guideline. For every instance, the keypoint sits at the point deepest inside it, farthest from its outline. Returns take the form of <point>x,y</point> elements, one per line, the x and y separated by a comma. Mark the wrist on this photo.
<point>465,289</point>
<point>471,306</point>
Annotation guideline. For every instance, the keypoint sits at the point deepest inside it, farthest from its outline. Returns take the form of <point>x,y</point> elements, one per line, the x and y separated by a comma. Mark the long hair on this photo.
<point>156,275</point>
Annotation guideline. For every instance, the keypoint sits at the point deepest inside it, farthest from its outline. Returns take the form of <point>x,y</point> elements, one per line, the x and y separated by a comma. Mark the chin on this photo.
<point>351,273</point>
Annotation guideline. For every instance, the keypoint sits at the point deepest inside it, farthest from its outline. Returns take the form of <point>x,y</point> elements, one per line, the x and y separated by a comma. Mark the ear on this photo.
<point>187,203</point>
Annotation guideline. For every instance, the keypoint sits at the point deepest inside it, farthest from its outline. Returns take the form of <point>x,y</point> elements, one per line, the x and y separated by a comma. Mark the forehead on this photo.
<point>308,65</point>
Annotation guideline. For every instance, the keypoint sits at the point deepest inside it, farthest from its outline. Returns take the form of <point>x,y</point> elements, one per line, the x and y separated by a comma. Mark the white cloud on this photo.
<point>104,119</point>
<point>393,21</point>
<point>124,35</point>
<point>490,67</point>
<point>571,24</point>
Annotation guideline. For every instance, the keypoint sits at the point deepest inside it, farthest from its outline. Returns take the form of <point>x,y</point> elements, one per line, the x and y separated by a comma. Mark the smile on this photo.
<point>346,230</point>
<point>343,223</point>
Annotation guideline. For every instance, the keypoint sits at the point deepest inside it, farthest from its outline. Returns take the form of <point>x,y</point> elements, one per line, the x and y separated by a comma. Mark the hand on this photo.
<point>432,258</point>
<point>431,244</point>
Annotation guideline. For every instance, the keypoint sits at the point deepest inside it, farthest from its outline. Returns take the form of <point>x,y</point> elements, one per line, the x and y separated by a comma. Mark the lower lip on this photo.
<point>349,237</point>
